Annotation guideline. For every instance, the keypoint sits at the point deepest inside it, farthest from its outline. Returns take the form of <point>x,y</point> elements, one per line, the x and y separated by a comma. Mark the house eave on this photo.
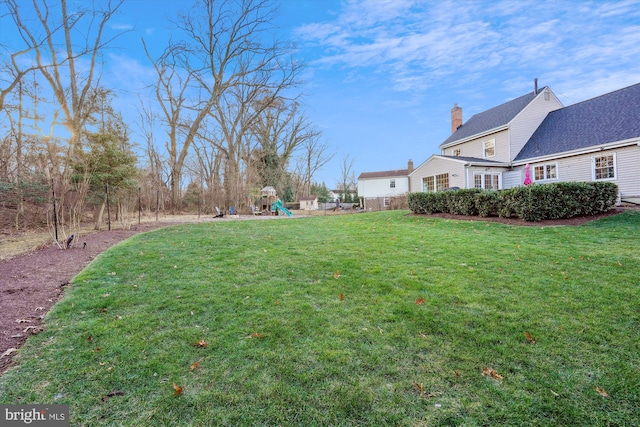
<point>577,152</point>
<point>475,136</point>
<point>492,164</point>
<point>381,177</point>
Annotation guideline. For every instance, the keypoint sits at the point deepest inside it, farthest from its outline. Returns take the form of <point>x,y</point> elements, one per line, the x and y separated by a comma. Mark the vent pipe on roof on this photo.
<point>535,86</point>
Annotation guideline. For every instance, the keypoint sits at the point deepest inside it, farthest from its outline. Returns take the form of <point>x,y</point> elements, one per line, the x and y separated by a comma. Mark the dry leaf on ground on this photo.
<point>194,365</point>
<point>530,338</point>
<point>491,373</point>
<point>178,389</point>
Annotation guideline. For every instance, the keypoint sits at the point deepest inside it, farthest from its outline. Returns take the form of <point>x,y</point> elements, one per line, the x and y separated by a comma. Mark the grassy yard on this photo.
<point>373,319</point>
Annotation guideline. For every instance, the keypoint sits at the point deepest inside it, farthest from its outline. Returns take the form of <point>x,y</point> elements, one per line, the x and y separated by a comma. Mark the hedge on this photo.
<point>535,202</point>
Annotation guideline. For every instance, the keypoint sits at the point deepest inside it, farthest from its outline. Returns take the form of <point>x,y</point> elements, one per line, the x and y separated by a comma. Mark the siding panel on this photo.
<point>475,147</point>
<point>578,168</point>
<point>528,120</point>
<point>436,166</point>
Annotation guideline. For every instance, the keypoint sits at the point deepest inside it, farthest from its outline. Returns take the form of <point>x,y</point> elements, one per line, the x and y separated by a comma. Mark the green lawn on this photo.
<point>369,319</point>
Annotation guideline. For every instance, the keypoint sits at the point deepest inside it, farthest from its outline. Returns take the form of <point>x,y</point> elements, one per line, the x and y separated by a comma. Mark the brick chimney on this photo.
<point>410,166</point>
<point>456,118</point>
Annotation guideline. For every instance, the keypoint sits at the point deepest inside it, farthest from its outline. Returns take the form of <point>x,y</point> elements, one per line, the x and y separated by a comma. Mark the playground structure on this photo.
<point>270,203</point>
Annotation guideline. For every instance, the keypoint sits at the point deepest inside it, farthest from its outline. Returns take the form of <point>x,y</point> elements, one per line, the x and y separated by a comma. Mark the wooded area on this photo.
<point>222,118</point>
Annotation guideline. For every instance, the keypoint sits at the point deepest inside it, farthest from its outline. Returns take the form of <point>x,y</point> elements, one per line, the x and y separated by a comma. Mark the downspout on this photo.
<point>466,176</point>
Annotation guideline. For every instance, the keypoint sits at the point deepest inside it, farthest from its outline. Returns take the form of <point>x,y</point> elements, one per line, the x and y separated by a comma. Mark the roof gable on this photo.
<point>490,119</point>
<point>384,174</point>
<point>607,118</point>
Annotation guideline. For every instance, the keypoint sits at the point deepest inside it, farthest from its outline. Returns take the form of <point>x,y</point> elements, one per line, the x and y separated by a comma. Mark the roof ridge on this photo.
<point>599,96</point>
<point>492,118</point>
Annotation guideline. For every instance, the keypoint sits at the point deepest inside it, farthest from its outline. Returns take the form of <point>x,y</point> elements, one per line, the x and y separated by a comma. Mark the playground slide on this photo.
<point>278,205</point>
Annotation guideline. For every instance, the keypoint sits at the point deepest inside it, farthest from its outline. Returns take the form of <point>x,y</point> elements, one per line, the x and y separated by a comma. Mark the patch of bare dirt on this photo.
<point>31,282</point>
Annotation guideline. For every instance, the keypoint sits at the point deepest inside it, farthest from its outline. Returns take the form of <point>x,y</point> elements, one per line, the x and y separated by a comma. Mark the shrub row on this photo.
<point>535,202</point>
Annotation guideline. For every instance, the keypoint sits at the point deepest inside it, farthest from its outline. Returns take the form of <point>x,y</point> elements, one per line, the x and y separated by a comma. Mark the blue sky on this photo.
<point>383,75</point>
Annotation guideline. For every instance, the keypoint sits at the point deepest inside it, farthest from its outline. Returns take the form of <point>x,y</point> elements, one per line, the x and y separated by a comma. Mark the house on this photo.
<point>309,203</point>
<point>339,193</point>
<point>378,190</point>
<point>597,139</point>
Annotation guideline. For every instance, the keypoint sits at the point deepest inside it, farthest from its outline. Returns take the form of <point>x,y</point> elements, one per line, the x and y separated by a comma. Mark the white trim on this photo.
<point>476,136</point>
<point>483,182</point>
<point>592,149</point>
<point>484,147</point>
<point>544,165</point>
<point>615,167</point>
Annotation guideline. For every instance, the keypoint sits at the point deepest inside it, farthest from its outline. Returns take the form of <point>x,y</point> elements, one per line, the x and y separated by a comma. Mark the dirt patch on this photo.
<point>33,275</point>
<point>31,283</point>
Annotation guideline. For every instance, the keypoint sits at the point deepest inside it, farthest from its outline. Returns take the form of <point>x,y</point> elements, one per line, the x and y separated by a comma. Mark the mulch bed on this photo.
<point>576,220</point>
<point>32,283</point>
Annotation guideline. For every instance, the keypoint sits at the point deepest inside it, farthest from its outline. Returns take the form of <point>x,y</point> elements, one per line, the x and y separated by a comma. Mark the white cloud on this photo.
<point>415,45</point>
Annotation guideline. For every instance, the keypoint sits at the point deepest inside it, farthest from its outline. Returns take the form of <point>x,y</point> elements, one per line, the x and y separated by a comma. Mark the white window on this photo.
<point>489,147</point>
<point>392,183</point>
<point>604,167</point>
<point>456,152</point>
<point>442,181</point>
<point>387,202</point>
<point>428,185</point>
<point>435,183</point>
<point>546,171</point>
<point>488,181</point>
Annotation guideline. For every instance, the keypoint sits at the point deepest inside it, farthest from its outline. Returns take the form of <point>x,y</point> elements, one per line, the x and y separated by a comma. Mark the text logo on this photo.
<point>34,415</point>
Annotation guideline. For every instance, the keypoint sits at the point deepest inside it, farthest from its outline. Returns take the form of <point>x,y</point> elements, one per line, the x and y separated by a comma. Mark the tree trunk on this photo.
<point>99,218</point>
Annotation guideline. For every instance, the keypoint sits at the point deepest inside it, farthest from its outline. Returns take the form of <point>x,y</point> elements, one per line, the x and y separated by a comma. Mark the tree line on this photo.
<point>223,115</point>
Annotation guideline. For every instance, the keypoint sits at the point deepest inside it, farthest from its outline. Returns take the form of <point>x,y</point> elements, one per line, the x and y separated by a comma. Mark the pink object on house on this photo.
<point>527,174</point>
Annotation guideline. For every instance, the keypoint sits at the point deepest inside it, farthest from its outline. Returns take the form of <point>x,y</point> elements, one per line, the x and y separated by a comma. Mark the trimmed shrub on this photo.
<point>535,202</point>
<point>462,202</point>
<point>423,203</point>
<point>440,202</point>
<point>488,203</point>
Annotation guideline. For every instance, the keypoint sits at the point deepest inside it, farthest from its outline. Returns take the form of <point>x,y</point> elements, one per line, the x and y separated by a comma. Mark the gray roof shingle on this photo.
<point>491,119</point>
<point>384,174</point>
<point>612,117</point>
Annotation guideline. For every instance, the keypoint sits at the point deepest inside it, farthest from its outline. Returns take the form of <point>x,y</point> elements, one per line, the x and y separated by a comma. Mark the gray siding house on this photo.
<point>594,140</point>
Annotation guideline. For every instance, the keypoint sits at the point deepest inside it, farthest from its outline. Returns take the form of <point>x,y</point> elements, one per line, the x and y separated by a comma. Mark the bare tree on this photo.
<point>212,77</point>
<point>73,90</point>
<point>210,164</point>
<point>347,178</point>
<point>279,131</point>
<point>154,175</point>
<point>314,156</point>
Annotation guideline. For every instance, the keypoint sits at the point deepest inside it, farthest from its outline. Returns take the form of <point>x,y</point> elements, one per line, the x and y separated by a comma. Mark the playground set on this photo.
<point>270,204</point>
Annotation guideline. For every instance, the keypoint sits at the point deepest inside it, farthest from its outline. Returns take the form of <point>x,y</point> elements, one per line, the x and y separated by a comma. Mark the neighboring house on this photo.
<point>377,190</point>
<point>338,194</point>
<point>597,139</point>
<point>309,203</point>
